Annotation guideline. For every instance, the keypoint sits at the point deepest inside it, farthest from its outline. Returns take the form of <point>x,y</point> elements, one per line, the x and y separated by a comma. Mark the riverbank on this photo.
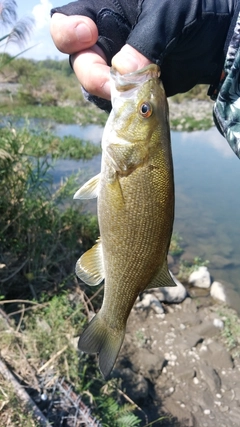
<point>189,114</point>
<point>184,364</point>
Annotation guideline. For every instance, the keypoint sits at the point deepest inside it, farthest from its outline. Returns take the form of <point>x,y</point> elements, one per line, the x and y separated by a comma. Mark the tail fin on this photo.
<point>98,337</point>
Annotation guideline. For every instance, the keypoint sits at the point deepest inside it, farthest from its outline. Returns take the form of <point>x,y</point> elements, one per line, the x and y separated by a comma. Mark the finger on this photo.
<point>73,33</point>
<point>92,71</point>
<point>128,60</point>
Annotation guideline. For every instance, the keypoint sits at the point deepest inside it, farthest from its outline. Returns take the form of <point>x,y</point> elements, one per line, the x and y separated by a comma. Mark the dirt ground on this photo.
<point>178,365</point>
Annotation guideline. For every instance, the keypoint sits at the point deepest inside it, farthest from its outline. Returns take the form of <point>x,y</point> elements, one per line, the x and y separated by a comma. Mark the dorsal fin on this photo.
<point>162,278</point>
<point>89,190</point>
<point>89,268</point>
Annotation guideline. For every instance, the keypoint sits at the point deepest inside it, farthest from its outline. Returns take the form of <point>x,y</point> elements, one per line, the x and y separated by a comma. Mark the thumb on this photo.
<point>128,60</point>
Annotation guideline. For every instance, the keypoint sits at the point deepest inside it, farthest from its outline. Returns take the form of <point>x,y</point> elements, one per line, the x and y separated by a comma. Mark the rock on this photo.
<point>225,292</point>
<point>218,323</point>
<point>173,294</point>
<point>200,278</point>
<point>189,307</point>
<point>217,292</point>
<point>151,301</point>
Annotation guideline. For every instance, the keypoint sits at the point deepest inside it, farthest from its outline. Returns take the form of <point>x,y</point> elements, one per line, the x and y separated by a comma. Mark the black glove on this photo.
<point>185,38</point>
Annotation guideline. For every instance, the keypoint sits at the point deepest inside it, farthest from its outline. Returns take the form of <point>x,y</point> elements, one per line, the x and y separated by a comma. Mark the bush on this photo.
<point>39,241</point>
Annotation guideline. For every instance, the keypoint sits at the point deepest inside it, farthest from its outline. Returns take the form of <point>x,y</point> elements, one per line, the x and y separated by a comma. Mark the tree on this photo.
<point>14,30</point>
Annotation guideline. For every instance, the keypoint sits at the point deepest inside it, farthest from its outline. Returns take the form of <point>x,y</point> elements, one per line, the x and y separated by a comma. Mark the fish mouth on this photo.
<point>125,82</point>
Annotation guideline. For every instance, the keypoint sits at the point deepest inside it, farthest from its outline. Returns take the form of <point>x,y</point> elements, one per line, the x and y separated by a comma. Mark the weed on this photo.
<point>39,242</point>
<point>231,330</point>
<point>175,249</point>
<point>140,338</point>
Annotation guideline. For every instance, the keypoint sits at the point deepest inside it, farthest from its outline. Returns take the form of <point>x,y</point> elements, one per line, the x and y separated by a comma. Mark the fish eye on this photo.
<point>145,109</point>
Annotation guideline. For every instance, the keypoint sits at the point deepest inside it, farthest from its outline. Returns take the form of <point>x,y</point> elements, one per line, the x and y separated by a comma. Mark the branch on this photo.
<point>23,395</point>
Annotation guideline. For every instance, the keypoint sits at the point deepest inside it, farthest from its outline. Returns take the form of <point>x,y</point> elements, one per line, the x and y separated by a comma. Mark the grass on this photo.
<point>41,347</point>
<point>83,115</point>
<point>175,248</point>
<point>34,233</point>
<point>231,330</point>
<point>41,143</point>
<point>12,411</point>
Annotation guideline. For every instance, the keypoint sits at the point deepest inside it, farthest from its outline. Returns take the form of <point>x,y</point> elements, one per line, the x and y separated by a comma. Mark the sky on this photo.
<point>40,38</point>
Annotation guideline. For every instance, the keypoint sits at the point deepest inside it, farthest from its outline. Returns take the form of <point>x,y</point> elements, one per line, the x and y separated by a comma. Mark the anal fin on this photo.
<point>89,190</point>
<point>162,278</point>
<point>89,268</point>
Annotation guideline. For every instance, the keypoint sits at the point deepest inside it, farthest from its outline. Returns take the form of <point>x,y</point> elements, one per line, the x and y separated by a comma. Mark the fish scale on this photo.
<point>135,192</point>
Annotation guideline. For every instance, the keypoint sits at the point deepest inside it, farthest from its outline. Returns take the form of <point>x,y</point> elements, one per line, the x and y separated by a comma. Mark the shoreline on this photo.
<point>190,115</point>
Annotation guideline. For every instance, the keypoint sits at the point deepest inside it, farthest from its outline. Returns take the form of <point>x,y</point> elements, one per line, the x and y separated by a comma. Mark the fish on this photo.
<point>135,208</point>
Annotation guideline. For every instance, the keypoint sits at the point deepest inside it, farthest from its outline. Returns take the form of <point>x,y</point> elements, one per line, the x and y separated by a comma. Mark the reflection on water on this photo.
<point>207,181</point>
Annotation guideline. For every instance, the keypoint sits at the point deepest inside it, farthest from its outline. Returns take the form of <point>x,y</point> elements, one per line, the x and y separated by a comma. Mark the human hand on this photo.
<point>77,36</point>
<point>185,39</point>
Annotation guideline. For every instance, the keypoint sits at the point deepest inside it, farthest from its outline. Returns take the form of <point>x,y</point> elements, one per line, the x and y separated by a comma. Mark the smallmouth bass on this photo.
<point>135,192</point>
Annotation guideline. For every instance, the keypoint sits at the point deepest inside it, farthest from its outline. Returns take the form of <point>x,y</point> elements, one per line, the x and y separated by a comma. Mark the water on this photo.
<point>207,182</point>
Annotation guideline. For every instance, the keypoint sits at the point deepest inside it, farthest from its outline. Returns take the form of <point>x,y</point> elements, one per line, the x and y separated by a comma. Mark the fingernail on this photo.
<point>125,62</point>
<point>107,90</point>
<point>83,33</point>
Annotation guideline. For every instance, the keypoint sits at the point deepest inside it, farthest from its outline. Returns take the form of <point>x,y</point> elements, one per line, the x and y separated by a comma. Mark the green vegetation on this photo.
<point>45,89</point>
<point>175,248</point>
<point>12,411</point>
<point>42,143</point>
<point>231,330</point>
<point>34,232</point>
<point>190,124</point>
<point>198,92</point>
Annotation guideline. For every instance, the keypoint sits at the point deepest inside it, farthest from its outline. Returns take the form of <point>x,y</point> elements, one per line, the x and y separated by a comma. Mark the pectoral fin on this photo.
<point>89,190</point>
<point>162,278</point>
<point>89,268</point>
<point>124,156</point>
